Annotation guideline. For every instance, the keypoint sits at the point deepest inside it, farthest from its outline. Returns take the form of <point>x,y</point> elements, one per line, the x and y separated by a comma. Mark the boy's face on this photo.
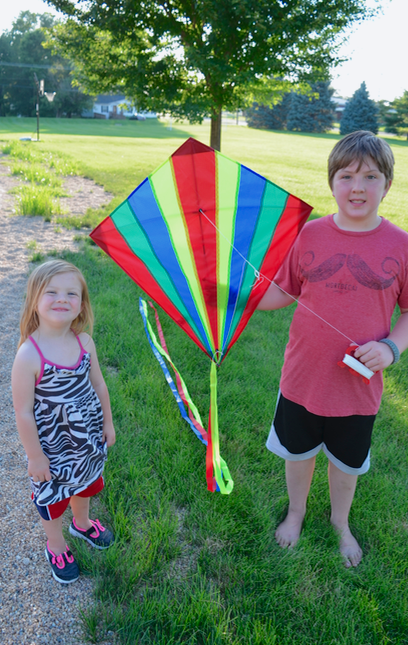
<point>358,193</point>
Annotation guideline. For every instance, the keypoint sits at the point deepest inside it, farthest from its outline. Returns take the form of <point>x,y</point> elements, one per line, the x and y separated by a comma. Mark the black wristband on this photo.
<point>393,348</point>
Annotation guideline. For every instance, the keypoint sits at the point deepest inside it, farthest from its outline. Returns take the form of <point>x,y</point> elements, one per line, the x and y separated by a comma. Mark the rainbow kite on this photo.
<point>203,236</point>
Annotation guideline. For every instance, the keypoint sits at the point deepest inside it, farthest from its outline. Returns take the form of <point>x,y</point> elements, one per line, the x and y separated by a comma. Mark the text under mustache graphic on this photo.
<point>358,268</point>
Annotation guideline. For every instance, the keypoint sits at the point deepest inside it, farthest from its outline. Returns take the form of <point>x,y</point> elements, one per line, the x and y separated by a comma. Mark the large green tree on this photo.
<point>197,57</point>
<point>21,55</point>
<point>396,116</point>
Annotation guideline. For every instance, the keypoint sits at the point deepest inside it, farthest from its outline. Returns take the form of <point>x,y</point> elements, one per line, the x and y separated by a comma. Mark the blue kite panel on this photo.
<point>251,190</point>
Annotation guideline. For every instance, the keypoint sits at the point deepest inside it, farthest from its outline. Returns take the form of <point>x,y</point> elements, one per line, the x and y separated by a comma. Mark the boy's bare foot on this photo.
<point>288,532</point>
<point>349,547</point>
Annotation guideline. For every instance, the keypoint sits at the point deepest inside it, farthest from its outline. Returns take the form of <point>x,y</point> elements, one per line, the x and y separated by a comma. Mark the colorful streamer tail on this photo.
<point>217,471</point>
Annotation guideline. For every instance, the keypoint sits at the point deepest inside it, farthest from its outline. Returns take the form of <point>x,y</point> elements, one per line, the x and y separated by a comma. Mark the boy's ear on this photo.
<point>387,187</point>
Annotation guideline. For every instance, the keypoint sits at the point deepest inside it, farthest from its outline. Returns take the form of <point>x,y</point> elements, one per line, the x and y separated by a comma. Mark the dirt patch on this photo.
<point>34,608</point>
<point>83,194</point>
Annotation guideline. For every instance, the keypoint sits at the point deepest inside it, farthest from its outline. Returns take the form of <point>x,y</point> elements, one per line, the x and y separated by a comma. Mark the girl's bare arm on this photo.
<point>23,377</point>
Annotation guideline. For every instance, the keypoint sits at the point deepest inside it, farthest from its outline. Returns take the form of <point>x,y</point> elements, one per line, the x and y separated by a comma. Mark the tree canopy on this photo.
<point>21,54</point>
<point>196,57</point>
<point>396,117</point>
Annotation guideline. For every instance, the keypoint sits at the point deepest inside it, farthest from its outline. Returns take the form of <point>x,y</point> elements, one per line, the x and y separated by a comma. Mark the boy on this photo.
<point>350,268</point>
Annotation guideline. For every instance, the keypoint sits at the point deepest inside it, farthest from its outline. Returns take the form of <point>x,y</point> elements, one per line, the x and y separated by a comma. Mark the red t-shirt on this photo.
<point>353,280</point>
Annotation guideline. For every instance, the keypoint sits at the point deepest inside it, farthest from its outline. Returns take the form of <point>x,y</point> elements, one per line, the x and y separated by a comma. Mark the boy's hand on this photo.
<point>108,434</point>
<point>39,468</point>
<point>376,356</point>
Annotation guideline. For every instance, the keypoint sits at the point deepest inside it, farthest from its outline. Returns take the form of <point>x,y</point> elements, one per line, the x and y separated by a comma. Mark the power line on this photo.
<point>67,69</point>
<point>3,84</point>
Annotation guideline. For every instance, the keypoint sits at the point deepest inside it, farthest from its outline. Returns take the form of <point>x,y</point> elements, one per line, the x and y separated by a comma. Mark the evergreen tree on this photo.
<point>312,114</point>
<point>300,118</point>
<point>264,117</point>
<point>396,118</point>
<point>360,113</point>
<point>322,107</point>
<point>297,112</point>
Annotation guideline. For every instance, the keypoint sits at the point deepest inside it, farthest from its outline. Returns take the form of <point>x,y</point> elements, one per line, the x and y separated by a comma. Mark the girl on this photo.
<point>62,409</point>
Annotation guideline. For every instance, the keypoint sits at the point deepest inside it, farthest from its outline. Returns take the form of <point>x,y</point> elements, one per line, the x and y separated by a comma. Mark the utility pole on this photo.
<point>40,92</point>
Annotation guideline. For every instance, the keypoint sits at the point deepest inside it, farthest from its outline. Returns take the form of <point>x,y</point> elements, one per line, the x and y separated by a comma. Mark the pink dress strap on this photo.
<point>81,346</point>
<point>37,348</point>
<point>83,350</point>
<point>41,357</point>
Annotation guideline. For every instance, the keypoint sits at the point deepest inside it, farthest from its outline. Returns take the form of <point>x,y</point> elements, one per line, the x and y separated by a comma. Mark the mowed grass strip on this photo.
<point>120,155</point>
<point>191,567</point>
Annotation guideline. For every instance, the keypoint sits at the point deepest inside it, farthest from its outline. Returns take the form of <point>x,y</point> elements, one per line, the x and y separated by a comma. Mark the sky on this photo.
<point>377,49</point>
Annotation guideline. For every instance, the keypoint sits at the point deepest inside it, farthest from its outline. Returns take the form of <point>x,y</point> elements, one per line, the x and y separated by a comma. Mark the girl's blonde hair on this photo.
<point>37,282</point>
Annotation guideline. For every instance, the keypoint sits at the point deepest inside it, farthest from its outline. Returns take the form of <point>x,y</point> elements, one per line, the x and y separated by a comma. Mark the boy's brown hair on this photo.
<point>37,282</point>
<point>359,146</point>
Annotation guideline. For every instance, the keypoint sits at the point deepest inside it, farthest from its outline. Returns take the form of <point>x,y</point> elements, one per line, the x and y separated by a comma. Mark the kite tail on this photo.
<point>218,474</point>
<point>181,395</point>
<point>193,413</point>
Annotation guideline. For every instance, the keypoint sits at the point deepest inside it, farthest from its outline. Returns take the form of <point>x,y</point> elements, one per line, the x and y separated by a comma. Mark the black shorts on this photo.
<point>297,434</point>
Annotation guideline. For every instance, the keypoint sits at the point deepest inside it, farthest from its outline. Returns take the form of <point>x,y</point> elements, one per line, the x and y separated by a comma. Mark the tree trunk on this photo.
<point>215,140</point>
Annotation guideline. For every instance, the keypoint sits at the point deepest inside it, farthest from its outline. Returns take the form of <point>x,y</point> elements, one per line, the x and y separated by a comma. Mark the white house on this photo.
<point>115,106</point>
<point>340,105</point>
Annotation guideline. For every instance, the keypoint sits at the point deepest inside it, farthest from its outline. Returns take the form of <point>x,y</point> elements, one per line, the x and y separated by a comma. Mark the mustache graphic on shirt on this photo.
<point>358,268</point>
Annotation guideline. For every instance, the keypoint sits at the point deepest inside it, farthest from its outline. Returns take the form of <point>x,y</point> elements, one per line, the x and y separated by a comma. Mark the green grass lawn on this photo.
<point>195,568</point>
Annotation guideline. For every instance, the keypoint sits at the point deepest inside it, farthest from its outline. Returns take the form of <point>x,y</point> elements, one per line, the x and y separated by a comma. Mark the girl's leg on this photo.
<point>298,479</point>
<point>342,489</point>
<point>80,509</point>
<point>53,530</point>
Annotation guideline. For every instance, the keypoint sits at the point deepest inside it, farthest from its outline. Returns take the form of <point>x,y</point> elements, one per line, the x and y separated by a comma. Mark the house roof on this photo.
<point>110,98</point>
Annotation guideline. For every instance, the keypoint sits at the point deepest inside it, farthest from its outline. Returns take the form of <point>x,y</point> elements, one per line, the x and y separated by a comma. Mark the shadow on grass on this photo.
<point>333,136</point>
<point>314,135</point>
<point>396,142</point>
<point>149,129</point>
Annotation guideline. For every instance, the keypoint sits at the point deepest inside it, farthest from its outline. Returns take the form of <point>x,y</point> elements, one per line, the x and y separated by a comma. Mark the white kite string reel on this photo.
<point>348,360</point>
<point>357,366</point>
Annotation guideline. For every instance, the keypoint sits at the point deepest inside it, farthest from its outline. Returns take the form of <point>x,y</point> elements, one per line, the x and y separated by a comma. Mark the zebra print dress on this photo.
<point>69,420</point>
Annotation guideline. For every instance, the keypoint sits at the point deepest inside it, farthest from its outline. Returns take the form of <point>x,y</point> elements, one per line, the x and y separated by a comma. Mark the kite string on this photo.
<point>260,275</point>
